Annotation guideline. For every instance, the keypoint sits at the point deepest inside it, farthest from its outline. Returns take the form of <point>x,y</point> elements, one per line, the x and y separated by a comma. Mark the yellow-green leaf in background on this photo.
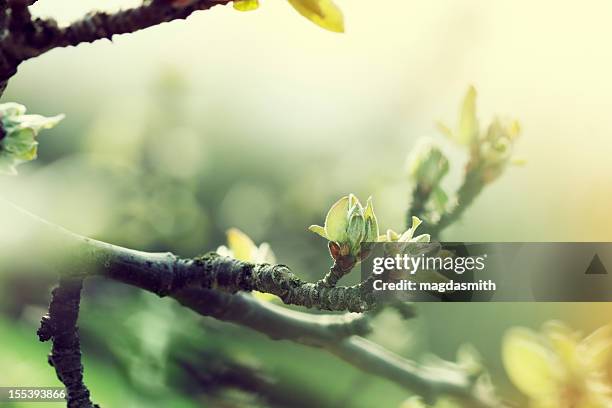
<point>413,402</point>
<point>323,13</point>
<point>563,340</point>
<point>246,5</point>
<point>596,349</point>
<point>531,365</point>
<point>467,129</point>
<point>241,245</point>
<point>445,130</point>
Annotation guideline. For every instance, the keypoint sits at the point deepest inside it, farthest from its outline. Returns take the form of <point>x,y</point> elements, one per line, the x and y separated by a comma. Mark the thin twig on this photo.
<point>336,272</point>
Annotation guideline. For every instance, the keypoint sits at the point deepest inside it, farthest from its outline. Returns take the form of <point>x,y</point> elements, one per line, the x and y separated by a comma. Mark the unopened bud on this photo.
<point>356,230</point>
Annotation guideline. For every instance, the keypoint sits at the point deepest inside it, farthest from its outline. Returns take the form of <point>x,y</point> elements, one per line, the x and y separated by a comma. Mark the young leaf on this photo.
<point>240,244</point>
<point>336,221</point>
<point>18,143</point>
<point>371,231</point>
<point>467,129</point>
<point>323,13</point>
<point>246,5</point>
<point>317,229</point>
<point>409,233</point>
<point>531,366</point>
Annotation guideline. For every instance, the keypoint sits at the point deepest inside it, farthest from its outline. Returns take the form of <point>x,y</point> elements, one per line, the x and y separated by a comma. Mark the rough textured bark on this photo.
<point>59,326</point>
<point>212,294</point>
<point>166,274</point>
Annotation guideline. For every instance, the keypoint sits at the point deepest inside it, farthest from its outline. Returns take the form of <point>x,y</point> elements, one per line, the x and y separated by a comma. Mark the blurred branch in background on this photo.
<point>211,372</point>
<point>489,153</point>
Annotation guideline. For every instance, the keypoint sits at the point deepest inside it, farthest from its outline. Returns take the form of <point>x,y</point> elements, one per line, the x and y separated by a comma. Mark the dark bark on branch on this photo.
<point>23,38</point>
<point>59,325</point>
<point>166,274</point>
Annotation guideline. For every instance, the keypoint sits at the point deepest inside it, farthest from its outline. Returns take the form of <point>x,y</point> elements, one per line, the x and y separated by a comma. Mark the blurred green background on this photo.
<point>260,121</point>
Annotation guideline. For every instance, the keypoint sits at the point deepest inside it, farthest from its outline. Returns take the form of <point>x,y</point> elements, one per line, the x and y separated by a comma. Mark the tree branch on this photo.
<point>469,190</point>
<point>59,325</point>
<point>24,38</point>
<point>471,187</point>
<point>273,321</point>
<point>167,275</point>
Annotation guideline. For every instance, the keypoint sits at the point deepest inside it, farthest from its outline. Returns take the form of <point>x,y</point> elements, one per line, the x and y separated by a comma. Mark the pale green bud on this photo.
<point>347,225</point>
<point>371,227</point>
<point>355,231</point>
<point>371,231</point>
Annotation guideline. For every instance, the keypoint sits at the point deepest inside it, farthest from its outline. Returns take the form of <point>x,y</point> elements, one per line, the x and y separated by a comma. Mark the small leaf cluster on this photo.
<point>349,226</point>
<point>18,138</point>
<point>559,367</point>
<point>490,149</point>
